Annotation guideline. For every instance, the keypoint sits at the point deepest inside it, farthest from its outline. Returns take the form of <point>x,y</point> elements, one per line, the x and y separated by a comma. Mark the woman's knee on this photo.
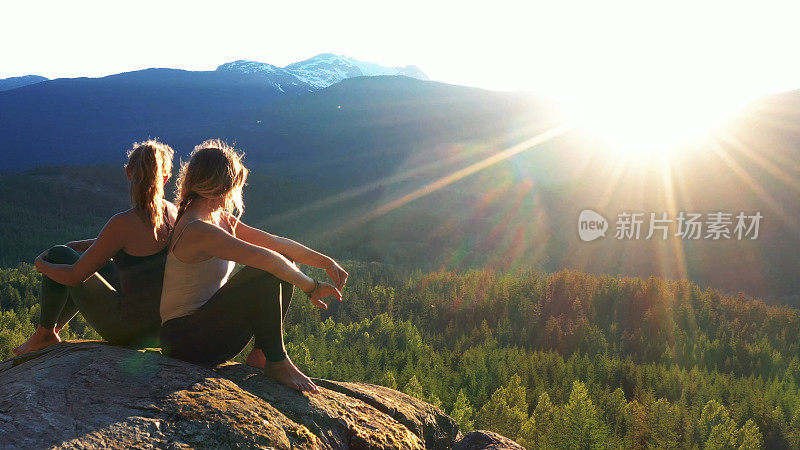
<point>248,273</point>
<point>61,254</point>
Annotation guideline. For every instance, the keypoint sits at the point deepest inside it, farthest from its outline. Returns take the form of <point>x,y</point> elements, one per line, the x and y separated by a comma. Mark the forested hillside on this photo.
<point>341,163</point>
<point>54,205</point>
<point>467,303</point>
<point>564,359</point>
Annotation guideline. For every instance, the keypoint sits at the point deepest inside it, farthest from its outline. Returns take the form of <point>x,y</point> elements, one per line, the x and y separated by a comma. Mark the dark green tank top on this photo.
<point>140,279</point>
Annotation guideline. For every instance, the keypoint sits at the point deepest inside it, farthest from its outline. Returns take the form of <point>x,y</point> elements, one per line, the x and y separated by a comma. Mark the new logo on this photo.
<point>591,225</point>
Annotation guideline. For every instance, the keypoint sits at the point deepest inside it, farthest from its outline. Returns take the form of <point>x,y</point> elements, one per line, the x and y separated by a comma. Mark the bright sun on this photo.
<point>645,79</point>
<point>641,124</point>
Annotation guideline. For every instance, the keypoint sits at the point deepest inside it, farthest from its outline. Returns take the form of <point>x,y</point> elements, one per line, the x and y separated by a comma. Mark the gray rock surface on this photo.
<point>94,395</point>
<point>482,439</point>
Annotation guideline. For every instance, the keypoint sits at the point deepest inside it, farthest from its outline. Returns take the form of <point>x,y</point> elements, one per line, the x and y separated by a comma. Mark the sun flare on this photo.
<point>642,124</point>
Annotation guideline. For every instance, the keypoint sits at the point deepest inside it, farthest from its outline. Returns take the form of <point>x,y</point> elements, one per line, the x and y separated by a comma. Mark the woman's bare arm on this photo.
<point>82,245</point>
<point>210,240</point>
<point>107,244</point>
<point>291,249</point>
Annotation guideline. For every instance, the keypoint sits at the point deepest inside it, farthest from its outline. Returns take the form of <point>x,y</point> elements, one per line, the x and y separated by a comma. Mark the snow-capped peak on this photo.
<point>7,84</point>
<point>244,66</point>
<point>324,70</point>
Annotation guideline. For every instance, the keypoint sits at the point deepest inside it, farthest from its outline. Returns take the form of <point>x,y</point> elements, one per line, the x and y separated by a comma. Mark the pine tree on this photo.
<point>388,379</point>
<point>750,436</point>
<point>462,412</point>
<point>663,425</point>
<point>582,425</point>
<point>794,430</point>
<point>615,412</point>
<point>717,429</point>
<point>414,389</point>
<point>546,421</point>
<point>506,411</point>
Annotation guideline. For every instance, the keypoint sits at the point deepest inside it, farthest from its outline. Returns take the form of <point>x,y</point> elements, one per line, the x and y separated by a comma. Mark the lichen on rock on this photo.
<point>94,395</point>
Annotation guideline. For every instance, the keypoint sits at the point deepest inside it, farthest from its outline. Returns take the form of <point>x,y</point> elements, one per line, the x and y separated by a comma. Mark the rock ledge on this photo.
<point>91,394</point>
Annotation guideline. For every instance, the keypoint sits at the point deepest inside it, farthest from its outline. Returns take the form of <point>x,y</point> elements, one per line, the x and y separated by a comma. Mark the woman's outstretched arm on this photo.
<point>102,249</point>
<point>291,249</point>
<point>82,245</point>
<point>210,240</point>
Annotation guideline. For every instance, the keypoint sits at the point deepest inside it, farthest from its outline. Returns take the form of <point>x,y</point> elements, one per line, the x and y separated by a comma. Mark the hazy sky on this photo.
<point>744,49</point>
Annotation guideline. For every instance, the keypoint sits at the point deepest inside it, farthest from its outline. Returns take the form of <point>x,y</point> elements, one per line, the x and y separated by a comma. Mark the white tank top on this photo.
<point>188,286</point>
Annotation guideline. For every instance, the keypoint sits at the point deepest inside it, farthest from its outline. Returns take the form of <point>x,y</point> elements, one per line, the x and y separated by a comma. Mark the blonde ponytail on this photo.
<point>148,163</point>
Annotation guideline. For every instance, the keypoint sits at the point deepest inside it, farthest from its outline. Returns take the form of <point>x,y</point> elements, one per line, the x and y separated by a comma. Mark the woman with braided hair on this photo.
<point>116,281</point>
<point>210,315</point>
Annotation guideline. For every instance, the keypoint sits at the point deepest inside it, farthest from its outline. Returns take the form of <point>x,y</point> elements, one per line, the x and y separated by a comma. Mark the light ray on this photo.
<point>446,180</point>
<point>611,186</point>
<point>462,173</point>
<point>761,160</point>
<point>752,183</point>
<point>348,194</point>
<point>360,190</point>
<point>672,211</point>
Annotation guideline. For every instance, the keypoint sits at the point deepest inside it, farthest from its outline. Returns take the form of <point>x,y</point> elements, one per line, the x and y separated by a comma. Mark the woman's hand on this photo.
<point>321,291</point>
<point>337,274</point>
<point>40,263</point>
<point>292,250</point>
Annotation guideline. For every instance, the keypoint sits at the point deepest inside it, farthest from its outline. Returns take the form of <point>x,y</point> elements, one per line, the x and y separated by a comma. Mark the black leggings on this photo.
<point>252,303</point>
<point>98,299</point>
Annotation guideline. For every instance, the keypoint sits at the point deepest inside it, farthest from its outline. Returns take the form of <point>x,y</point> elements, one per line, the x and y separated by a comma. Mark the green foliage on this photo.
<point>749,436</point>
<point>716,428</point>
<point>14,330</point>
<point>39,207</point>
<point>663,425</point>
<point>462,412</point>
<point>388,379</point>
<point>582,427</point>
<point>551,360</point>
<point>718,431</point>
<point>46,206</point>
<point>413,388</point>
<point>540,431</point>
<point>19,310</point>
<point>581,346</point>
<point>507,409</point>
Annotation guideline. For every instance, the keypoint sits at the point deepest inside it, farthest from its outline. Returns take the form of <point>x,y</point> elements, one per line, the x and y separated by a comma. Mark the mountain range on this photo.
<point>382,168</point>
<point>318,72</point>
<point>308,75</point>
<point>6,84</point>
<point>77,120</point>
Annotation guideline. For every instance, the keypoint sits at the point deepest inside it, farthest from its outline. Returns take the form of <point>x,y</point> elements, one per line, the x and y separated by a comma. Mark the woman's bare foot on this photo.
<point>256,359</point>
<point>41,338</point>
<point>286,373</point>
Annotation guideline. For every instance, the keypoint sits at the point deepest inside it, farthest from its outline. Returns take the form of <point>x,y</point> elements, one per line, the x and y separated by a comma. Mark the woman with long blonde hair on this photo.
<point>116,281</point>
<point>210,315</point>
